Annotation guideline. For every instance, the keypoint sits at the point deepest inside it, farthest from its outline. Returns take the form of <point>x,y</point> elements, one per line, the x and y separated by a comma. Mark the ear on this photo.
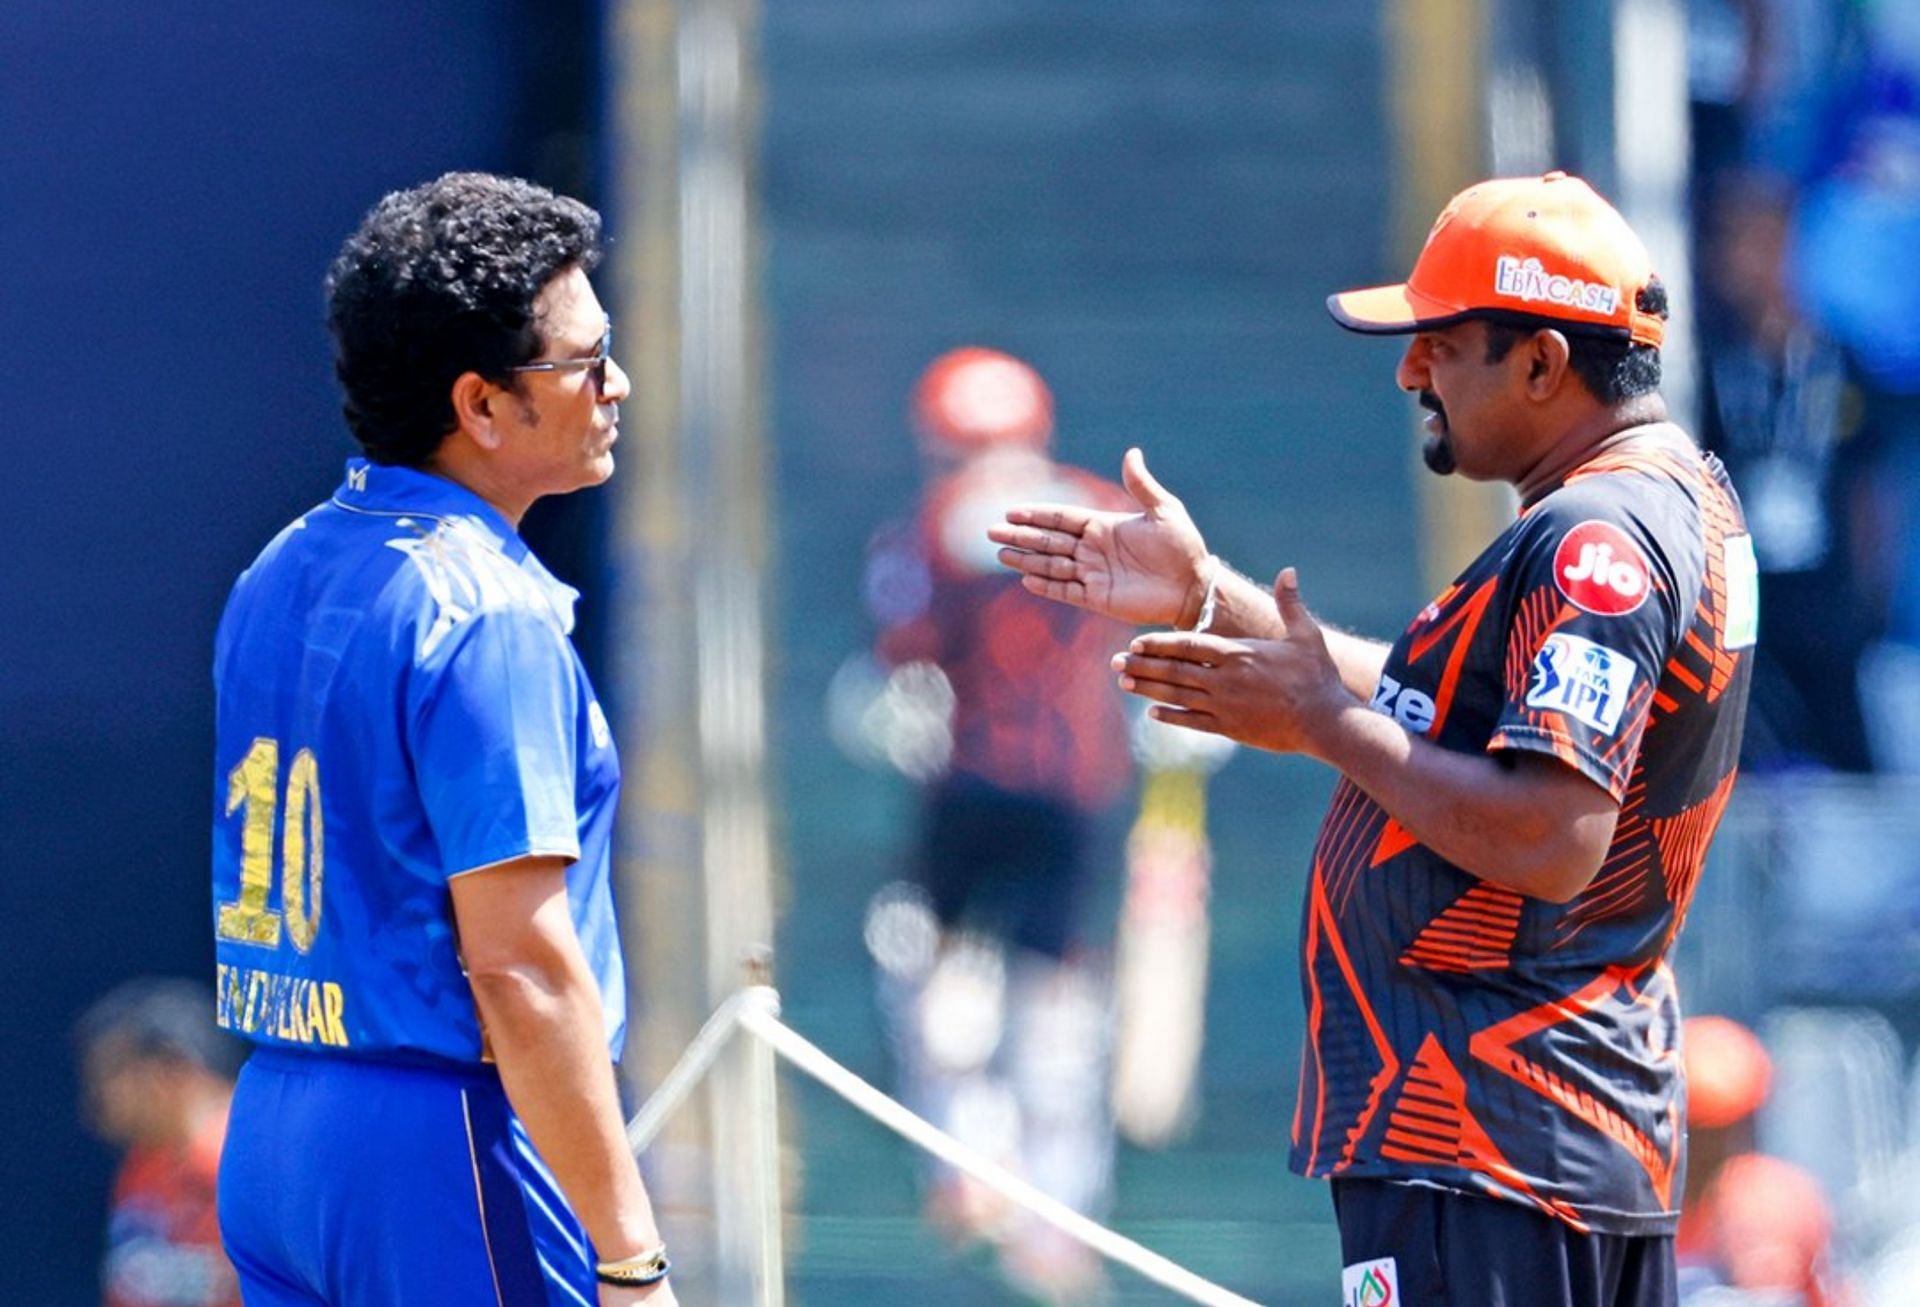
<point>1548,354</point>
<point>473,399</point>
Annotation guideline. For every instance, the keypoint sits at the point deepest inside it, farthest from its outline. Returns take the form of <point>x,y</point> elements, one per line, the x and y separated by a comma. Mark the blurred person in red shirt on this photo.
<point>1750,1223</point>
<point>157,1076</point>
<point>997,1004</point>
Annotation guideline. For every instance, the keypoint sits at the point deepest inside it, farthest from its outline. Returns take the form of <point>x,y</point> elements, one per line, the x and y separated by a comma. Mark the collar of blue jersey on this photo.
<point>385,488</point>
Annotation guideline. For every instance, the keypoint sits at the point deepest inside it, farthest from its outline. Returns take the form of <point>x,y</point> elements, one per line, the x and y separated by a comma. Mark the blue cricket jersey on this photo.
<point>397,702</point>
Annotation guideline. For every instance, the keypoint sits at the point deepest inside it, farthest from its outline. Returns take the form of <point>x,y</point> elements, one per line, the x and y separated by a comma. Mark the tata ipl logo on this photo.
<point>1584,680</point>
<point>1370,1284</point>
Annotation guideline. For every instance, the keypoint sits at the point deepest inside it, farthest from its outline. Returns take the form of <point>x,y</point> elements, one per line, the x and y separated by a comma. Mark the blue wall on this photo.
<point>173,180</point>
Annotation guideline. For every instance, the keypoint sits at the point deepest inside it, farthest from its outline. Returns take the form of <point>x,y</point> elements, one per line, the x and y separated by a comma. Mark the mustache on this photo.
<point>1429,400</point>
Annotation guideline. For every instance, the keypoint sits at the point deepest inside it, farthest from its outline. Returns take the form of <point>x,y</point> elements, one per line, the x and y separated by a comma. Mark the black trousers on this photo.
<point>1459,1250</point>
<point>1015,865</point>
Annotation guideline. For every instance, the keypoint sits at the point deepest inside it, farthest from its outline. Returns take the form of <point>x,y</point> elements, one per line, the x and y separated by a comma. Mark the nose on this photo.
<point>1413,373</point>
<point>618,384</point>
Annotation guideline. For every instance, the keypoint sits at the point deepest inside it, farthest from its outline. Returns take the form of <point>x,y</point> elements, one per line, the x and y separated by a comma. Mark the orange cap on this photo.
<point>1728,1071</point>
<point>1533,247</point>
<point>973,397</point>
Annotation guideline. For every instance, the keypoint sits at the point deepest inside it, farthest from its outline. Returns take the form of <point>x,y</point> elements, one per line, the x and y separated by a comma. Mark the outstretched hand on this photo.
<point>1147,568</point>
<point>1271,694</point>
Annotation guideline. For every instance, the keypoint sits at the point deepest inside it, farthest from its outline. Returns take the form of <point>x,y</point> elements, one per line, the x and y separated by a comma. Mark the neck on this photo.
<point>1594,433</point>
<point>472,474</point>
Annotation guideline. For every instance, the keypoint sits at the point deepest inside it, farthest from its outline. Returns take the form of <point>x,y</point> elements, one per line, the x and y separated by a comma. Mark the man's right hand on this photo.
<point>652,1295</point>
<point>1148,568</point>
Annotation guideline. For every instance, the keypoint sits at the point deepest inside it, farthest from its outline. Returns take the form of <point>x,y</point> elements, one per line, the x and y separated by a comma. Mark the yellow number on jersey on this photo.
<point>255,786</point>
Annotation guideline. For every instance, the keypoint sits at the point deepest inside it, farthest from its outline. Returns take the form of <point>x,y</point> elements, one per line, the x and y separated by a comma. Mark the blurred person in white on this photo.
<point>991,975</point>
<point>157,1077</point>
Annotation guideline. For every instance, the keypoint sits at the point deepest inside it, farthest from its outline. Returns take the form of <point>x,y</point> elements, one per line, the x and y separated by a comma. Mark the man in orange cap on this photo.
<point>1530,773</point>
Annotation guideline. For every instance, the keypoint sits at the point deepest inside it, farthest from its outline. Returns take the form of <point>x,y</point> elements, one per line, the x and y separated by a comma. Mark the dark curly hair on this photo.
<point>441,280</point>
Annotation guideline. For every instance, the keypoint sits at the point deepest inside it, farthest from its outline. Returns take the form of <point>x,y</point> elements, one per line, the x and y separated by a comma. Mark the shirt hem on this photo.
<point>1554,744</point>
<point>571,855</point>
<point>1599,1220</point>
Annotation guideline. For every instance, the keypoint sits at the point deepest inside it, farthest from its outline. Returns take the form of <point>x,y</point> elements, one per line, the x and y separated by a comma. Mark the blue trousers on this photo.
<point>351,1183</point>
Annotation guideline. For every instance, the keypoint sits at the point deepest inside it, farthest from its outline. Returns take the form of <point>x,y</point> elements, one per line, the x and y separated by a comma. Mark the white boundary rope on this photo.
<point>756,1011</point>
<point>693,1064</point>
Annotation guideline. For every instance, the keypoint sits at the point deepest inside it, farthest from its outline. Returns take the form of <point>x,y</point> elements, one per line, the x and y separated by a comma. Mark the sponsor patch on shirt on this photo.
<point>1370,1284</point>
<point>1584,680</point>
<point>1743,594</point>
<point>1599,568</point>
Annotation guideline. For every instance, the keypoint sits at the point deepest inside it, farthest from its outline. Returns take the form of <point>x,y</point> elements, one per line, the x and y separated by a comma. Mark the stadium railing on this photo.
<point>754,1012</point>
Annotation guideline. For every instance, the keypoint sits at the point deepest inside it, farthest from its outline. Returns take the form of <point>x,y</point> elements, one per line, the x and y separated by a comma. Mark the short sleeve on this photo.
<point>493,711</point>
<point>1594,597</point>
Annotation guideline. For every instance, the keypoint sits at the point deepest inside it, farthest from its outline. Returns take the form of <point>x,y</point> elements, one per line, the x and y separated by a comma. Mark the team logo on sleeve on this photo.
<point>1600,569</point>
<point>1584,680</point>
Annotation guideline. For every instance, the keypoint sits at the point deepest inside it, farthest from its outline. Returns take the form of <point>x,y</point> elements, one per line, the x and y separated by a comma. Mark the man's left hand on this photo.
<point>1271,694</point>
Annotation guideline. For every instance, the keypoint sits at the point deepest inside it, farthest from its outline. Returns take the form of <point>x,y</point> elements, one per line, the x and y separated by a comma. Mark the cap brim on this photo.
<point>1390,310</point>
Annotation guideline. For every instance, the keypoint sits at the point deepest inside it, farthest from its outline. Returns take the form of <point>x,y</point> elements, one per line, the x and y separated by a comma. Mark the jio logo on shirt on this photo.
<point>1600,569</point>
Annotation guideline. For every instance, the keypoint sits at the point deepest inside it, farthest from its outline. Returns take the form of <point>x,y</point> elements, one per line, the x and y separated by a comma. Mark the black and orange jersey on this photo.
<point>1035,707</point>
<point>1460,1034</point>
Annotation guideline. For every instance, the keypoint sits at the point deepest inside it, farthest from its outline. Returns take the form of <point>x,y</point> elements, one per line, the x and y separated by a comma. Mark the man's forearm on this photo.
<point>545,1026</point>
<point>1538,828</point>
<point>1245,609</point>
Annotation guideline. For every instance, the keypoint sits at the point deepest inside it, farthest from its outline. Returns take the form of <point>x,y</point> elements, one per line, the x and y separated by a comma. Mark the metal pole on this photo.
<point>689,553</point>
<point>721,442</point>
<point>1653,152</point>
<point>656,519</point>
<point>764,1105</point>
<point>1436,57</point>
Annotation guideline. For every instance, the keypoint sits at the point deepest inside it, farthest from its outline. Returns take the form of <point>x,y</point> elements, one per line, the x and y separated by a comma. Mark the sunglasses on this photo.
<point>595,364</point>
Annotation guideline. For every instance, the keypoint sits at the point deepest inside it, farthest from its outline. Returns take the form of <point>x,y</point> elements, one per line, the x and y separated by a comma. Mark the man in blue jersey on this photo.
<point>414,795</point>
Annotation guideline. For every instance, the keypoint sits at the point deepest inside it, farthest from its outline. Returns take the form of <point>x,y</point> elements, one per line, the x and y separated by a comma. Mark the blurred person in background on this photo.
<point>991,976</point>
<point>1856,225</point>
<point>1782,411</point>
<point>414,796</point>
<point>1755,1231</point>
<point>157,1075</point>
<point>1530,775</point>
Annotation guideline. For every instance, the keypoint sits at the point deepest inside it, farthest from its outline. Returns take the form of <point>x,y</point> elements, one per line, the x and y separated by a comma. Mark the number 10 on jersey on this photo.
<point>253,789</point>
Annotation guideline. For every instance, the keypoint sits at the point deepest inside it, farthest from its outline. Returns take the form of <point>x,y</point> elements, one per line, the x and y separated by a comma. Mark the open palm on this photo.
<point>1146,568</point>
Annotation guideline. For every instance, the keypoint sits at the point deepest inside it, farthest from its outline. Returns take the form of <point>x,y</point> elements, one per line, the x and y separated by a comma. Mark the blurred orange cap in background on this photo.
<point>1728,1071</point>
<point>973,397</point>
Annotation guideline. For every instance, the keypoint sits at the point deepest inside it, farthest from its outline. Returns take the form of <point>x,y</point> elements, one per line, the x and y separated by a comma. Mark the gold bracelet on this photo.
<point>637,1271</point>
